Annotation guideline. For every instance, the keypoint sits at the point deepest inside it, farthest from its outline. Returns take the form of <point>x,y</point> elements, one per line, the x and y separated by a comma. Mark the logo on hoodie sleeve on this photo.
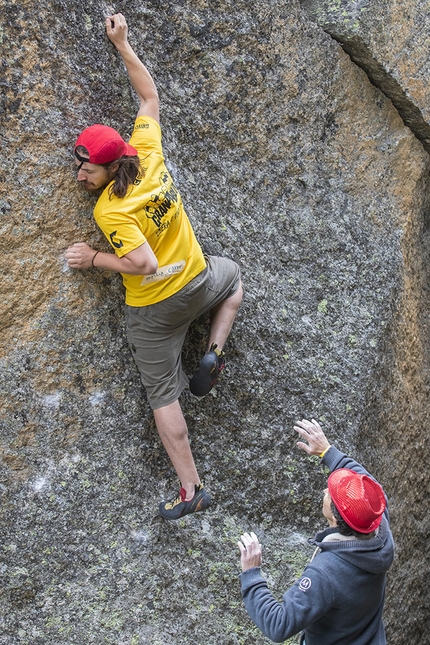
<point>305,584</point>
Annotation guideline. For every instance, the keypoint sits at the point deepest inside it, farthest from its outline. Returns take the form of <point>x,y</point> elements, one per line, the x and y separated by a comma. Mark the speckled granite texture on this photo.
<point>295,164</point>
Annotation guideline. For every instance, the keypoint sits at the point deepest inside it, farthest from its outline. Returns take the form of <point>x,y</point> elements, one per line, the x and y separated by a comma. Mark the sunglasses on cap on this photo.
<point>81,159</point>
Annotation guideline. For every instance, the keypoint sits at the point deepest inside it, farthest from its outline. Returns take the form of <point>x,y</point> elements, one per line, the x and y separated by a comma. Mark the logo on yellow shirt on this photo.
<point>160,204</point>
<point>118,244</point>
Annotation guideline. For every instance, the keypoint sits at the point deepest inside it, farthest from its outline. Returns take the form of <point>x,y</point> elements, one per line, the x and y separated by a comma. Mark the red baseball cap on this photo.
<point>358,498</point>
<point>104,144</point>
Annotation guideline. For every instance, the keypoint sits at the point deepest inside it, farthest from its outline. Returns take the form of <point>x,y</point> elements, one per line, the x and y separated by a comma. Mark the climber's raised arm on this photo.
<point>140,78</point>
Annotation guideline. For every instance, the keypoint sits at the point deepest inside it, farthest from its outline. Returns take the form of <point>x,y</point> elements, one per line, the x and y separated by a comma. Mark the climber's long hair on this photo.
<point>129,169</point>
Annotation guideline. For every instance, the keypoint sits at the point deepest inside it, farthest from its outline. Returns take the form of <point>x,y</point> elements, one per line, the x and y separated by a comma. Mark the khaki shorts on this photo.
<point>156,333</point>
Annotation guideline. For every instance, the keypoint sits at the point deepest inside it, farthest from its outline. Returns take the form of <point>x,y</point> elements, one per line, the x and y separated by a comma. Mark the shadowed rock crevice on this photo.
<point>379,76</point>
<point>348,23</point>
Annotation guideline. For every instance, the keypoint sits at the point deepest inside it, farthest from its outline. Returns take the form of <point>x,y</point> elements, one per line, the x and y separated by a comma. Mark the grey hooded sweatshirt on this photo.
<point>339,598</point>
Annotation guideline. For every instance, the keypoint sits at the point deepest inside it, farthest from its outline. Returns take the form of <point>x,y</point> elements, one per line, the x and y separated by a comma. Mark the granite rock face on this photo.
<point>295,164</point>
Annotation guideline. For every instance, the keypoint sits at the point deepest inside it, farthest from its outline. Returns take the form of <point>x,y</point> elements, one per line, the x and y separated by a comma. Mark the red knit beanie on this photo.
<point>359,499</point>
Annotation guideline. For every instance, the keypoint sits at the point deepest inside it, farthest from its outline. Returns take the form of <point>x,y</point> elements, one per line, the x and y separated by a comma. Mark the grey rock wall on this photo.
<point>290,161</point>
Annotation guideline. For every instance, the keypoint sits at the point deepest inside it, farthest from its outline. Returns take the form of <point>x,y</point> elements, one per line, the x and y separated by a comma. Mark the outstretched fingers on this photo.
<point>248,539</point>
<point>311,432</point>
<point>250,551</point>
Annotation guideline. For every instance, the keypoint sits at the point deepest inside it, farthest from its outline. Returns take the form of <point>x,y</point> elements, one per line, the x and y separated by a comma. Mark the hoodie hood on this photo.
<point>374,555</point>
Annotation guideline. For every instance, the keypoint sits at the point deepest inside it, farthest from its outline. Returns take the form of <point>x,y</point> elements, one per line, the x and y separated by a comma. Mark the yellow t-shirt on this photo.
<point>152,212</point>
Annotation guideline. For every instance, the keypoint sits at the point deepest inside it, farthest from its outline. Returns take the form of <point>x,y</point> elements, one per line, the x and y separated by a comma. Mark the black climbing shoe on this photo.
<point>210,367</point>
<point>179,507</point>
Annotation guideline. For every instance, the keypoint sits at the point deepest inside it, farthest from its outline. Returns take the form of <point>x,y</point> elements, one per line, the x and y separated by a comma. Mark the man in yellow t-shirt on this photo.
<point>152,212</point>
<point>167,279</point>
